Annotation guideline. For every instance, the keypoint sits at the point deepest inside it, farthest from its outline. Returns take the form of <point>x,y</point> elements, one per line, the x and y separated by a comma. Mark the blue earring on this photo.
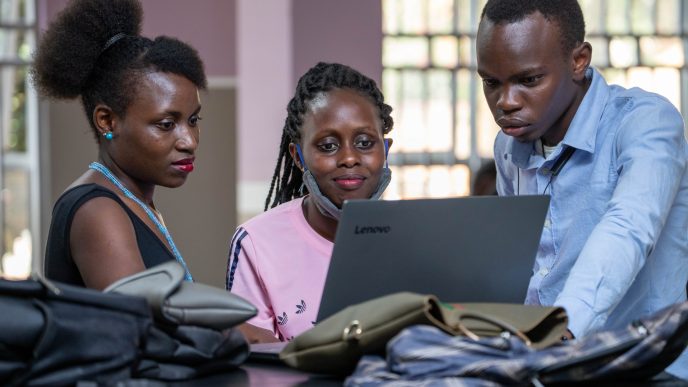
<point>298,151</point>
<point>386,142</point>
<point>303,165</point>
<point>108,135</point>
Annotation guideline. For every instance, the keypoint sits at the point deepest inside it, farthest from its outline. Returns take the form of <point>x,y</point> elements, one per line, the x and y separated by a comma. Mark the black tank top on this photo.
<point>60,266</point>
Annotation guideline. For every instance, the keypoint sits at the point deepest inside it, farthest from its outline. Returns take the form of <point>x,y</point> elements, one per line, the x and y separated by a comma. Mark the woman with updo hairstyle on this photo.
<point>141,98</point>
<point>333,149</point>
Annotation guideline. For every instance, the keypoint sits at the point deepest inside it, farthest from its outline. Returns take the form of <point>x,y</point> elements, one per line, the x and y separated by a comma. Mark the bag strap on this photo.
<point>504,326</point>
<point>36,276</point>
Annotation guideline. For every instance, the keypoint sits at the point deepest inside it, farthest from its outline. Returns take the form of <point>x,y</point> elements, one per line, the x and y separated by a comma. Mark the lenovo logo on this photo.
<point>372,229</point>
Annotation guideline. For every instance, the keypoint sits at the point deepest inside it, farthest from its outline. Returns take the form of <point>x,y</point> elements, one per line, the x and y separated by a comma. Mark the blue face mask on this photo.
<point>323,203</point>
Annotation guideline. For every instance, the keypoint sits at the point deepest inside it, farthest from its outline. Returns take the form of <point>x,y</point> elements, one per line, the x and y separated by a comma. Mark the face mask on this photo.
<point>323,203</point>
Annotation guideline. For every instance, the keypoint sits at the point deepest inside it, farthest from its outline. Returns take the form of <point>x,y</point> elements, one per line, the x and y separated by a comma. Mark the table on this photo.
<point>264,374</point>
<point>261,373</point>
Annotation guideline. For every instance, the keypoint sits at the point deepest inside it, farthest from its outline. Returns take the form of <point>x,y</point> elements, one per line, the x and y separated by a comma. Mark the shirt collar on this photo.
<point>582,131</point>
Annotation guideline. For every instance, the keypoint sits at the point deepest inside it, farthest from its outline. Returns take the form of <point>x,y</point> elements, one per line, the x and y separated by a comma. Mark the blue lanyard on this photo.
<point>106,172</point>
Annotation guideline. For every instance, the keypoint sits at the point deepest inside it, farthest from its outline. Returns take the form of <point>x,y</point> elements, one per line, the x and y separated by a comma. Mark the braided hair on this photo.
<point>287,179</point>
<point>93,49</point>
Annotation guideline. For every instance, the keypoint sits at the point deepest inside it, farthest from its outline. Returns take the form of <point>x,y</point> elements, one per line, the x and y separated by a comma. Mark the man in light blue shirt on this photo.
<point>615,242</point>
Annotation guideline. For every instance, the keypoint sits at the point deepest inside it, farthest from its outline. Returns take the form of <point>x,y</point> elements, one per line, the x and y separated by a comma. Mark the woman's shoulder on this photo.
<point>283,228</point>
<point>79,190</point>
<point>277,217</point>
<point>75,197</point>
<point>83,192</point>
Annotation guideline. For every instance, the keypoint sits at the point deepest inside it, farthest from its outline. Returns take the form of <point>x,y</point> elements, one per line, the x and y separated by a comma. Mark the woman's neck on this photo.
<point>323,225</point>
<point>143,191</point>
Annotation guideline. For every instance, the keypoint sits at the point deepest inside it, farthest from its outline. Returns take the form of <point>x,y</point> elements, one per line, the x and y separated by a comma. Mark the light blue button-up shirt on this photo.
<point>615,242</point>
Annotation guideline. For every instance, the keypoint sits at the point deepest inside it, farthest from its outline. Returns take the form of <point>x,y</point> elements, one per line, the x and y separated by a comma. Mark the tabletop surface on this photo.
<point>260,373</point>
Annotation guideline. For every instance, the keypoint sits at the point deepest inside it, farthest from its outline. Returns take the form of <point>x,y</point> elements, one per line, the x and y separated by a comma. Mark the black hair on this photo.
<point>93,49</point>
<point>566,13</point>
<point>287,178</point>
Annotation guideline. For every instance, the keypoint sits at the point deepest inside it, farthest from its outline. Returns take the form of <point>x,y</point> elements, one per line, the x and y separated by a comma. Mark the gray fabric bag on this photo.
<point>178,302</point>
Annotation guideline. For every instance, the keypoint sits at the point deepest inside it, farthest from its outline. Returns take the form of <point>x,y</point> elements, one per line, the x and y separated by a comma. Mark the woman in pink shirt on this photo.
<point>332,149</point>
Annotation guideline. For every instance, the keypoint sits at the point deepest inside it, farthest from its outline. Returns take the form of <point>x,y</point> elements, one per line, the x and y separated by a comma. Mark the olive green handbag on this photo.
<point>538,326</point>
<point>335,345</point>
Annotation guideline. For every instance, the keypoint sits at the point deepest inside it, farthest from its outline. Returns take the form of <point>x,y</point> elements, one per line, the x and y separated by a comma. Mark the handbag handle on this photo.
<point>506,327</point>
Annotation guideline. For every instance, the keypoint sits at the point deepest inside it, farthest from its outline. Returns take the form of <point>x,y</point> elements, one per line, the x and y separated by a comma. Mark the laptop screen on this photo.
<point>469,249</point>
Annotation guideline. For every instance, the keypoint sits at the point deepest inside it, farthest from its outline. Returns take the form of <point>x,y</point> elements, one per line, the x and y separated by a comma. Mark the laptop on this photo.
<point>467,249</point>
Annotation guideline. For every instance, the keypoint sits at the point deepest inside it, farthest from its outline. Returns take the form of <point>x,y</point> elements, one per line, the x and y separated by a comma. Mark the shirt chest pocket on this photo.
<point>604,177</point>
<point>600,189</point>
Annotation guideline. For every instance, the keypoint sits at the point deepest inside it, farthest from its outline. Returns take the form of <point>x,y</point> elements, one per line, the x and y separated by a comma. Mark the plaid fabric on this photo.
<point>426,356</point>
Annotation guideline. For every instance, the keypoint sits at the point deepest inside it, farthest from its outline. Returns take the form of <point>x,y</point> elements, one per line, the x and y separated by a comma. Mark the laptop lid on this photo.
<point>468,249</point>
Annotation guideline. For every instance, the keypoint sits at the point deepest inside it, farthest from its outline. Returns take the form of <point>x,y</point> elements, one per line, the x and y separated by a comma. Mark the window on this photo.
<point>444,130</point>
<point>19,199</point>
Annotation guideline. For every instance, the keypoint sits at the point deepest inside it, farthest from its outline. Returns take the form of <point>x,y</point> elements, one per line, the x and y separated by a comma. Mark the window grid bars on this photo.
<point>29,161</point>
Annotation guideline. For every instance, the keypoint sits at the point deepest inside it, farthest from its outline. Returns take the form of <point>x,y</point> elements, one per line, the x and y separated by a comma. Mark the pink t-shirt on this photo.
<point>279,263</point>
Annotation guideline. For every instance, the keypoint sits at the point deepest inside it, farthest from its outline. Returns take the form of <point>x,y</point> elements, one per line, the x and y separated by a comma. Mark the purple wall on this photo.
<point>264,70</point>
<point>207,25</point>
<point>348,32</point>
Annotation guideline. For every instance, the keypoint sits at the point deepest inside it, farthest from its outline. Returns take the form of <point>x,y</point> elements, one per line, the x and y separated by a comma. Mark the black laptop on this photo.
<point>467,249</point>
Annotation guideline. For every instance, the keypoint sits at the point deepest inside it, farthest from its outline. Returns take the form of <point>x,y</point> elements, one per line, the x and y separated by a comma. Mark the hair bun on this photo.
<point>70,47</point>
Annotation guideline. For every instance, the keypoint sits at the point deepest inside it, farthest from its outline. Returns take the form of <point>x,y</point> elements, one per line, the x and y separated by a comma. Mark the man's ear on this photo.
<point>104,119</point>
<point>295,156</point>
<point>581,56</point>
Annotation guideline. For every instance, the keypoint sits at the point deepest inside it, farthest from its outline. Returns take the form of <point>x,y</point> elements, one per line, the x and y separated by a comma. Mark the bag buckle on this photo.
<point>353,331</point>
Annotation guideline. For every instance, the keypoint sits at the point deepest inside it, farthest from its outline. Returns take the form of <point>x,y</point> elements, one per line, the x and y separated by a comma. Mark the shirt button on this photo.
<point>547,223</point>
<point>545,171</point>
<point>544,271</point>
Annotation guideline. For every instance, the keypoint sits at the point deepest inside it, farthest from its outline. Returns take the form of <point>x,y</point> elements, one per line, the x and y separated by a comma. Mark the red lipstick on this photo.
<point>184,165</point>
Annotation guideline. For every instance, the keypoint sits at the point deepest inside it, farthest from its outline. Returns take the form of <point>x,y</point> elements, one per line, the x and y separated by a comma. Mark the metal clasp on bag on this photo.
<point>642,329</point>
<point>353,331</point>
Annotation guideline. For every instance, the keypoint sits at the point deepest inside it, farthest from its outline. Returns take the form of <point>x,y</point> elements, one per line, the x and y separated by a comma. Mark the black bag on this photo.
<point>57,334</point>
<point>186,351</point>
<point>54,334</point>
